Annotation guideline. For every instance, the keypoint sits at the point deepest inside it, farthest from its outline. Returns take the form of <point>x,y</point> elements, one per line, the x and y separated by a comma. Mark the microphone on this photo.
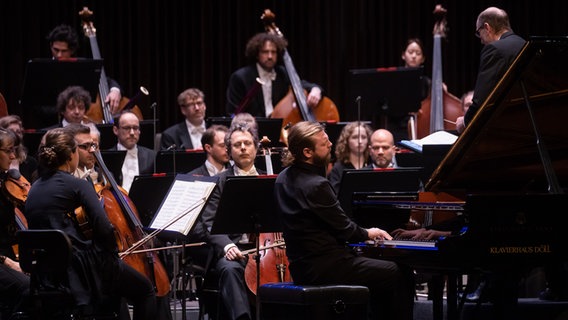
<point>358,101</point>
<point>154,105</point>
<point>172,147</point>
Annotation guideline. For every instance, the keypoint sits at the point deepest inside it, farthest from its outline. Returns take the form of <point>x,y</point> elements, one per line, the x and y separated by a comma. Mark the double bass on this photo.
<point>440,109</point>
<point>99,111</point>
<point>293,107</point>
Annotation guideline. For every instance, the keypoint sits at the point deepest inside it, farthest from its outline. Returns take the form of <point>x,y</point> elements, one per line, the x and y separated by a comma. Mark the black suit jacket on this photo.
<point>219,241</point>
<point>177,135</point>
<point>200,171</point>
<point>146,159</point>
<point>495,59</point>
<point>242,80</point>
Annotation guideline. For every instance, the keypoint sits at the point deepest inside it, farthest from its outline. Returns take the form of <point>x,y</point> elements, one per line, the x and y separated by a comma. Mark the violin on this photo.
<point>16,187</point>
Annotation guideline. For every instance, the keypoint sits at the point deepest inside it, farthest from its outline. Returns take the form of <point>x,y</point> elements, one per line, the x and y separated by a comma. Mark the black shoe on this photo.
<point>476,295</point>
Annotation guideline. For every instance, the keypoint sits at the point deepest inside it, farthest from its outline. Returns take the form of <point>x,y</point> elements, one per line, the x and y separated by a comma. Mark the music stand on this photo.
<point>179,161</point>
<point>237,216</point>
<point>114,159</point>
<point>373,180</point>
<point>147,193</point>
<point>32,140</point>
<point>385,93</point>
<point>46,78</point>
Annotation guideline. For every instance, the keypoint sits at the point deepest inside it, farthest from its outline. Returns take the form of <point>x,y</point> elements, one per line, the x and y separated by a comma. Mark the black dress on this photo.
<point>96,272</point>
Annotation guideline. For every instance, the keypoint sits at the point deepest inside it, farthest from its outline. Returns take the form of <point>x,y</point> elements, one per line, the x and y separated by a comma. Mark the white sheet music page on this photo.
<point>438,137</point>
<point>182,205</point>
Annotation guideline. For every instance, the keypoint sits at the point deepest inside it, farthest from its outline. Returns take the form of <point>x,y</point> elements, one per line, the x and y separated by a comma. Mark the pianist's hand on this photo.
<point>378,234</point>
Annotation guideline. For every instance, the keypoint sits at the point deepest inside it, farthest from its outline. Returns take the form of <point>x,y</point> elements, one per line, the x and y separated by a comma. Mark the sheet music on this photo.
<point>182,197</point>
<point>438,137</point>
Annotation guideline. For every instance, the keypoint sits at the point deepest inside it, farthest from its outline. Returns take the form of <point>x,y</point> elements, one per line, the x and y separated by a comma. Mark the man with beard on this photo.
<point>258,87</point>
<point>382,149</point>
<point>87,146</point>
<point>316,230</point>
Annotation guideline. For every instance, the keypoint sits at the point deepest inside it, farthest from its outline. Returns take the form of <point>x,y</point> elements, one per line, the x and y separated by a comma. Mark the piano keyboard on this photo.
<point>405,243</point>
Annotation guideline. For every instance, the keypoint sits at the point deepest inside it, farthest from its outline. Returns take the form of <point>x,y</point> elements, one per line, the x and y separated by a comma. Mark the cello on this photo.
<point>99,111</point>
<point>272,260</point>
<point>440,109</point>
<point>124,217</point>
<point>286,108</point>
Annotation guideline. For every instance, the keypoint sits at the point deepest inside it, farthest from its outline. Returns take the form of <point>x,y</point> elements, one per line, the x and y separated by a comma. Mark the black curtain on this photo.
<point>168,46</point>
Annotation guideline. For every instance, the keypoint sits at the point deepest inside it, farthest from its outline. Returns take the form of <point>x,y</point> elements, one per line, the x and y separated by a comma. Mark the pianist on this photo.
<point>316,230</point>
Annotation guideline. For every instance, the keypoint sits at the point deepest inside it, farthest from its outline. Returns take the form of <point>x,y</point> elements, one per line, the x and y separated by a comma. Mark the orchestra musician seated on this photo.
<point>187,134</point>
<point>382,149</point>
<point>351,151</point>
<point>64,43</point>
<point>14,283</point>
<point>258,87</point>
<point>217,159</point>
<point>72,106</point>
<point>95,271</point>
<point>139,159</point>
<point>229,262</point>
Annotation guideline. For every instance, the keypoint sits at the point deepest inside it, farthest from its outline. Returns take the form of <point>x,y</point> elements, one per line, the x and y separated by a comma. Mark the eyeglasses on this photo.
<point>196,104</point>
<point>88,145</point>
<point>477,32</point>
<point>128,129</point>
<point>9,150</point>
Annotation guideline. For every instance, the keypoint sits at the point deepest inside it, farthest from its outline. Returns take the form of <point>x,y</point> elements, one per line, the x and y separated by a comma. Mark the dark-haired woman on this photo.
<point>14,284</point>
<point>95,271</point>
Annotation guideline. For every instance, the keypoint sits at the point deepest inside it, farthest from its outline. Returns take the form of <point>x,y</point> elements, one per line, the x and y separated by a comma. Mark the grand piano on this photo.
<point>510,168</point>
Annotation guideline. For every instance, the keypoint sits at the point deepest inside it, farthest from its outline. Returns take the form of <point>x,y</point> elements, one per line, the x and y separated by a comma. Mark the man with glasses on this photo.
<point>501,46</point>
<point>139,159</point>
<point>187,134</point>
<point>86,147</point>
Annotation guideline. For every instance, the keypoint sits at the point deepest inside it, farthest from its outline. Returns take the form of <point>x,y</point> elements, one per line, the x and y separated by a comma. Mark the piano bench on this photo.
<point>285,300</point>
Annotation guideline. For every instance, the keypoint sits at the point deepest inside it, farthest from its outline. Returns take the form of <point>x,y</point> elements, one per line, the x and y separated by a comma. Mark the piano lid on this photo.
<point>499,150</point>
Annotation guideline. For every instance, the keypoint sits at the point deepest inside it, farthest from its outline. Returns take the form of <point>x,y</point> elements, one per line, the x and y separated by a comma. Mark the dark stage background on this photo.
<point>169,45</point>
